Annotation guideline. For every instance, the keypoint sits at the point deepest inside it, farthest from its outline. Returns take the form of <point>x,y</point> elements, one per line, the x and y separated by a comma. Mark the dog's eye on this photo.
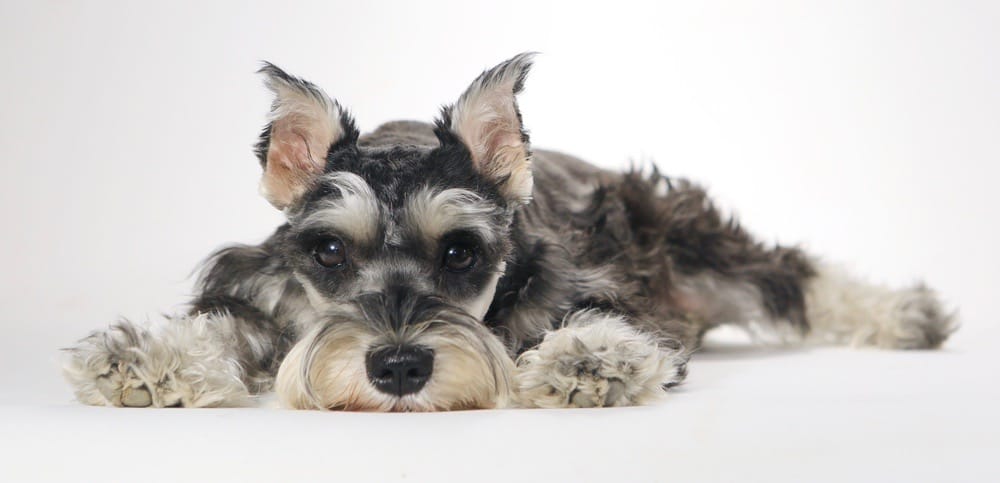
<point>459,257</point>
<point>330,253</point>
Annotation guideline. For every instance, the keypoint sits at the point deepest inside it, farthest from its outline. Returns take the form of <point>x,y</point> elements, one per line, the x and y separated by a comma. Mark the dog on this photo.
<point>446,266</point>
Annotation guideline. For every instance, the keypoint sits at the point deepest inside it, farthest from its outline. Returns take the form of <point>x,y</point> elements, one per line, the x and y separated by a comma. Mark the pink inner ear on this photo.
<point>291,149</point>
<point>291,165</point>
<point>493,135</point>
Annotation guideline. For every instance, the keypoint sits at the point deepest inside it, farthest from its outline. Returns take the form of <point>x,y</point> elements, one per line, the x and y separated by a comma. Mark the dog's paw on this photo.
<point>598,360</point>
<point>129,366</point>
<point>107,369</point>
<point>122,387</point>
<point>920,321</point>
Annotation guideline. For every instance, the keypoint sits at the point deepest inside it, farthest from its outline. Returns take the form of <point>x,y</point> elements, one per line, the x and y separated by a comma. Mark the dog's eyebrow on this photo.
<point>355,213</point>
<point>432,214</point>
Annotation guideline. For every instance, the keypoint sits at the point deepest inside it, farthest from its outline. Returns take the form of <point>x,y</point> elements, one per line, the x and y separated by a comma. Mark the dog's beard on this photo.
<point>326,368</point>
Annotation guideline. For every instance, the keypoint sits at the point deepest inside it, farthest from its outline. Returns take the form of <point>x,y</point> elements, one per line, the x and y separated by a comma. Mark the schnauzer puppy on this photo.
<point>449,266</point>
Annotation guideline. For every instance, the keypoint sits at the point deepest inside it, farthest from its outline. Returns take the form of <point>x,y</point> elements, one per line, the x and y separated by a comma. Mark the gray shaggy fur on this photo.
<point>417,239</point>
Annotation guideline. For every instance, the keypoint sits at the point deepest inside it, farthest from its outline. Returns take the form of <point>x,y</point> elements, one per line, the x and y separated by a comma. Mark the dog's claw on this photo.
<point>616,389</point>
<point>136,397</point>
<point>107,386</point>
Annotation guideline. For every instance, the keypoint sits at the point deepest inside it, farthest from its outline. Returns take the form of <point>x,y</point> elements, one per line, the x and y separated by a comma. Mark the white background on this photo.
<point>865,131</point>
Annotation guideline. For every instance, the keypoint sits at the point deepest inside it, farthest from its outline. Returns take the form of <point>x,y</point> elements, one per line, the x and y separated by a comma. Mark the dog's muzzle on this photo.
<point>397,349</point>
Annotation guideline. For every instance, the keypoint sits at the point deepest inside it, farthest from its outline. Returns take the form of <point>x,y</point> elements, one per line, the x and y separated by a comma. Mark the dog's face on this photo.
<point>398,246</point>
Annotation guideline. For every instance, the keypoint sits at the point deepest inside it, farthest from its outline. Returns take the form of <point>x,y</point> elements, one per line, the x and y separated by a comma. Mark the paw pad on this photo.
<point>124,391</point>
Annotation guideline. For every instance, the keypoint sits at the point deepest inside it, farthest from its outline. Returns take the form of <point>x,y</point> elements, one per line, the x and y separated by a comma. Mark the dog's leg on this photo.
<point>720,274</point>
<point>844,309</point>
<point>203,360</point>
<point>827,305</point>
<point>598,359</point>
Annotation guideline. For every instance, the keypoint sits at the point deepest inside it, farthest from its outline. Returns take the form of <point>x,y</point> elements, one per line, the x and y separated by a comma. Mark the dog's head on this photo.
<point>398,241</point>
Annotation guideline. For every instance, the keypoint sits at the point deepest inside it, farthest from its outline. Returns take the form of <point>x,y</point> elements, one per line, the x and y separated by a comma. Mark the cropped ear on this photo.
<point>304,124</point>
<point>487,121</point>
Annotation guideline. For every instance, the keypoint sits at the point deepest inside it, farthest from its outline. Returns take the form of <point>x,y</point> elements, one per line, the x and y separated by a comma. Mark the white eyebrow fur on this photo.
<point>435,213</point>
<point>355,213</point>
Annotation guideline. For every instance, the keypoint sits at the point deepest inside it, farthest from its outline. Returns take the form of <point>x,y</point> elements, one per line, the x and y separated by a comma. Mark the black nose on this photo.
<point>400,370</point>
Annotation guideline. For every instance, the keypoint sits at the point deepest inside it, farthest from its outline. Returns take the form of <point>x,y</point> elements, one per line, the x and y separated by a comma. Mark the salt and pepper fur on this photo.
<point>589,287</point>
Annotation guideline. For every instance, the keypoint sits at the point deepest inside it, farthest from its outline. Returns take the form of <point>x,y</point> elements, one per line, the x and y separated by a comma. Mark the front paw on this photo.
<point>121,386</point>
<point>598,360</point>
<point>129,366</point>
<point>107,369</point>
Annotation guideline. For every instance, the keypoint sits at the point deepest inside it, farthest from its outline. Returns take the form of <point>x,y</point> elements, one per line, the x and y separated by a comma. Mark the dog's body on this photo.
<point>413,270</point>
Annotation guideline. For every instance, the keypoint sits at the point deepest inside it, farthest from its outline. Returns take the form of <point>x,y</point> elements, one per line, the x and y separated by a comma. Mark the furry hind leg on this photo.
<point>843,309</point>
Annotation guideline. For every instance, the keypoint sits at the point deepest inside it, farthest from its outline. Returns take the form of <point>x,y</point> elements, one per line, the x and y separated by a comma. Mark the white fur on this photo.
<point>596,359</point>
<point>355,214</point>
<point>843,309</point>
<point>182,362</point>
<point>333,376</point>
<point>326,370</point>
<point>434,213</point>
